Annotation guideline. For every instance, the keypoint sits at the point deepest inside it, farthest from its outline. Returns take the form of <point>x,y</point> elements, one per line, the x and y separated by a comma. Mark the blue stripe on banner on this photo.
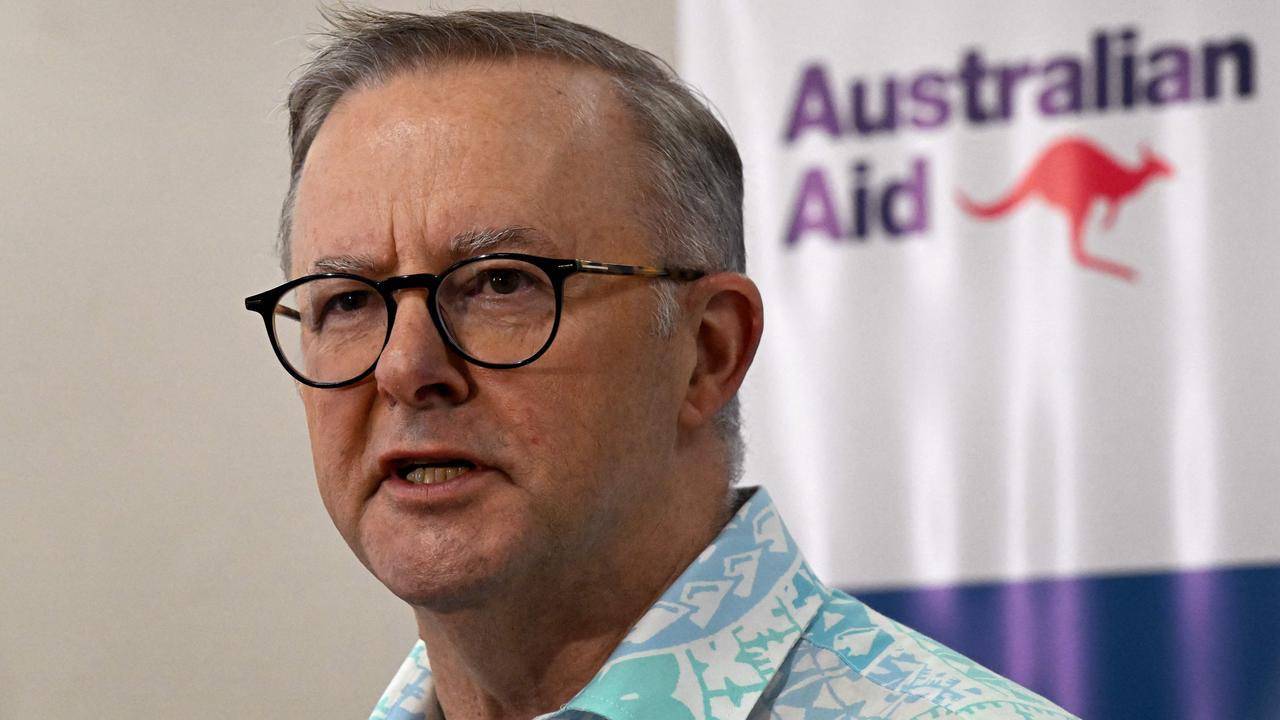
<point>1173,646</point>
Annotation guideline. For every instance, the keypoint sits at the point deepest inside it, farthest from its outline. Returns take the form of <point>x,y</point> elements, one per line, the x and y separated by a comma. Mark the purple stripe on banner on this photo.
<point>1021,647</point>
<point>1070,636</point>
<point>1202,645</point>
<point>1197,632</point>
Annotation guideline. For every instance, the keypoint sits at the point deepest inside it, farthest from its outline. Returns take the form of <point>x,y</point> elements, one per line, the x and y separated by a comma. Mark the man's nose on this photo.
<point>417,368</point>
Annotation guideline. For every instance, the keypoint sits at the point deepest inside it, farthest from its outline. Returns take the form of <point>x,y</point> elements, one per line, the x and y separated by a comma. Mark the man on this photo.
<point>518,319</point>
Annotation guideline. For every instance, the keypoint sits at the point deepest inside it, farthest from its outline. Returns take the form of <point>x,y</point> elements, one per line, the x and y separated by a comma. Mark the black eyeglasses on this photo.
<point>496,311</point>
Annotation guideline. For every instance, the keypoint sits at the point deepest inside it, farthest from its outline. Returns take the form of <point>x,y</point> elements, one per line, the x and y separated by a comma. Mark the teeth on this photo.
<point>435,474</point>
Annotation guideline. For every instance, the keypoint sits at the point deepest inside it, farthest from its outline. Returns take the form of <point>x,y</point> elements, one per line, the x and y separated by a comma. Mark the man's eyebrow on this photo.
<point>465,244</point>
<point>515,237</point>
<point>358,264</point>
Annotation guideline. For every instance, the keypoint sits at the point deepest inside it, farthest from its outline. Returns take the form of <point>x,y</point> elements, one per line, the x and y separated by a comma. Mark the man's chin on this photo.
<point>440,594</point>
<point>436,576</point>
<point>448,561</point>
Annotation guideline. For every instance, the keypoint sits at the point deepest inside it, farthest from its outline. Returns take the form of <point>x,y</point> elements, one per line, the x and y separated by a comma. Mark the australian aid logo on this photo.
<point>1073,174</point>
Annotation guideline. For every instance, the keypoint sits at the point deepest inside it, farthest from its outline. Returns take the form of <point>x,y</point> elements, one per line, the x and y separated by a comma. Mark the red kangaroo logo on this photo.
<point>1070,175</point>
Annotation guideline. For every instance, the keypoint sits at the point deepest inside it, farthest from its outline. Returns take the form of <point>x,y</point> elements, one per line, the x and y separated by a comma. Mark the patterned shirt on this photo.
<point>748,633</point>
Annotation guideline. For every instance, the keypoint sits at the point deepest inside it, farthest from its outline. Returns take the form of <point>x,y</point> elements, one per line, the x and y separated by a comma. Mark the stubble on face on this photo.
<point>580,442</point>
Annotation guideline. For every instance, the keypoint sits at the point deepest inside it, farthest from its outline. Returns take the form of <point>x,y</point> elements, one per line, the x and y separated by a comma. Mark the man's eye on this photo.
<point>349,302</point>
<point>504,282</point>
<point>343,307</point>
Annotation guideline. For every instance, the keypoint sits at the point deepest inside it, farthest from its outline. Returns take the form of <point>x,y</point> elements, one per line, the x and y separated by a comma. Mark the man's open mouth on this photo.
<point>422,472</point>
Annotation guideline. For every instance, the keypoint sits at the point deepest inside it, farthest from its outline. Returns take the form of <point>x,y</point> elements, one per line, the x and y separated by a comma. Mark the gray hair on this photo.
<point>693,192</point>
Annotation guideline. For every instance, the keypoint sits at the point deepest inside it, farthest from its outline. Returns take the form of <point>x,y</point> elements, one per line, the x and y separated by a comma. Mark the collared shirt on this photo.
<point>748,633</point>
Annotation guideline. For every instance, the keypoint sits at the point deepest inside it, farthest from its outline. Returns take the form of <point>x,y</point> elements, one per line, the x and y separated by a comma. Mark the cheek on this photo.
<point>548,427</point>
<point>535,422</point>
<point>336,424</point>
<point>587,420</point>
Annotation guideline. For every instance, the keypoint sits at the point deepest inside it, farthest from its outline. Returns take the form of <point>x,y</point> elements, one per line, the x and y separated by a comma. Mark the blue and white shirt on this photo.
<point>748,633</point>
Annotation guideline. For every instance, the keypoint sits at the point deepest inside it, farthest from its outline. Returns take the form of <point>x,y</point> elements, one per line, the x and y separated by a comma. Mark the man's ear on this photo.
<point>728,318</point>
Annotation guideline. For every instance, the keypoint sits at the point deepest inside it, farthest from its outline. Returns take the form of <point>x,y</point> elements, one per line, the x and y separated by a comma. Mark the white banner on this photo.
<point>1019,263</point>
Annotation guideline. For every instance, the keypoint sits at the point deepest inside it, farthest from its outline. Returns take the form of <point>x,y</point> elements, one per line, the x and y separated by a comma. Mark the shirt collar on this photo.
<point>710,645</point>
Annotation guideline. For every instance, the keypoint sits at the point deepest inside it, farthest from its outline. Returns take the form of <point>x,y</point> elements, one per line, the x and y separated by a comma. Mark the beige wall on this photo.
<point>162,548</point>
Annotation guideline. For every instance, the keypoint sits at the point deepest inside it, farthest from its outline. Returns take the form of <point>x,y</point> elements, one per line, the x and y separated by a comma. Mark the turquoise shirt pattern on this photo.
<point>748,633</point>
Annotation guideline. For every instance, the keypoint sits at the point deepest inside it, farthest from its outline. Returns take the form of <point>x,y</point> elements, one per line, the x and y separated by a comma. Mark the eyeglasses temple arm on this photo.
<point>588,266</point>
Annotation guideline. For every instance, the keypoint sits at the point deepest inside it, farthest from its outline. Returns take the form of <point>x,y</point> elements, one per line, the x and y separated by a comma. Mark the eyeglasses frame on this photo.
<point>558,270</point>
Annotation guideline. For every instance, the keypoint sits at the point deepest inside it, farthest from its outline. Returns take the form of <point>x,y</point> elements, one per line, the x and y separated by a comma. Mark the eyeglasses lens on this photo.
<point>498,311</point>
<point>331,329</point>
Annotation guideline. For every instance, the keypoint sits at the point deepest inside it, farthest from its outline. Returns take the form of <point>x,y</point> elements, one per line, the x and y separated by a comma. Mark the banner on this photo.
<point>1020,379</point>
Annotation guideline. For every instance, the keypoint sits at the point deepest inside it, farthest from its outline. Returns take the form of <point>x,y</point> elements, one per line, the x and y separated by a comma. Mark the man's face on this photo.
<point>572,456</point>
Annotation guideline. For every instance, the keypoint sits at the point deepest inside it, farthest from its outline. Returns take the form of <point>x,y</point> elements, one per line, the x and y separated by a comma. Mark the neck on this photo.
<point>496,663</point>
<point>530,648</point>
